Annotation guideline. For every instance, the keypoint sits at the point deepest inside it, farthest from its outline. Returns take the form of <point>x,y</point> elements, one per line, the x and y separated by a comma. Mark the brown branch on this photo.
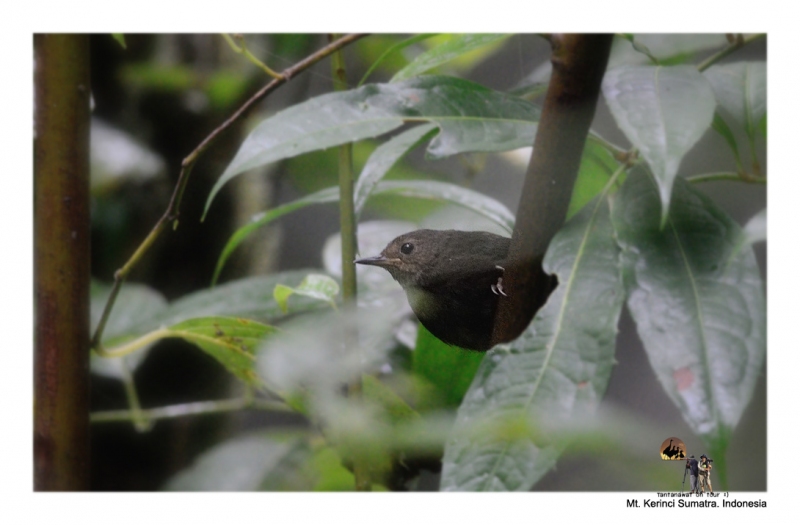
<point>61,263</point>
<point>579,62</point>
<point>172,211</point>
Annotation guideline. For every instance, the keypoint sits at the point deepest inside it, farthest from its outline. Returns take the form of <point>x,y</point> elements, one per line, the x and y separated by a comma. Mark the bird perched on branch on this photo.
<point>453,280</point>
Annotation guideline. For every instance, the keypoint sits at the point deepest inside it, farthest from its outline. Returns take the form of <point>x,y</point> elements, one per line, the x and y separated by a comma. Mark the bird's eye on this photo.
<point>407,248</point>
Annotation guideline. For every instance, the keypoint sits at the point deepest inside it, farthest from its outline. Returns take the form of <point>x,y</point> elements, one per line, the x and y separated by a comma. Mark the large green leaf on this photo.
<point>471,118</point>
<point>697,302</point>
<point>663,111</point>
<point>230,340</point>
<point>421,189</point>
<point>455,47</point>
<point>449,369</point>
<point>556,371</point>
<point>384,157</point>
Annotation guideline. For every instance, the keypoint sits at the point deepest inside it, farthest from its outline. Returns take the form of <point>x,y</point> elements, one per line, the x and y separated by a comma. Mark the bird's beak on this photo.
<point>378,260</point>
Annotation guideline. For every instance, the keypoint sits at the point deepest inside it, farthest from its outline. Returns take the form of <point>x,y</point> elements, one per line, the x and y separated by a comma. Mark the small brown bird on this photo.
<point>453,280</point>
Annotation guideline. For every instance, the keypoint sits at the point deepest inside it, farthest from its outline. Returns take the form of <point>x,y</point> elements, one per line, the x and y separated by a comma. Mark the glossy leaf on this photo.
<point>384,157</point>
<point>470,117</point>
<point>663,111</point>
<point>231,341</point>
<point>250,298</point>
<point>698,305</point>
<point>556,371</point>
<point>455,47</point>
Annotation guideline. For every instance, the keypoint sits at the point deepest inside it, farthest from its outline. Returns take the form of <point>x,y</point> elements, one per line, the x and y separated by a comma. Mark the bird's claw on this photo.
<point>497,289</point>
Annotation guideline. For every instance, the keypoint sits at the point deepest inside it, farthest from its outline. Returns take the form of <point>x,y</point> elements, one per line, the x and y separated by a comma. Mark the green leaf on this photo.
<point>231,341</point>
<point>597,167</point>
<point>120,38</point>
<point>555,372</point>
<point>250,298</point>
<point>240,464</point>
<point>663,111</point>
<point>699,309</point>
<point>393,49</point>
<point>471,118</point>
<point>449,369</point>
<point>472,200</point>
<point>316,286</point>
<point>741,90</point>
<point>432,190</point>
<point>721,127</point>
<point>386,156</point>
<point>443,53</point>
<point>134,304</point>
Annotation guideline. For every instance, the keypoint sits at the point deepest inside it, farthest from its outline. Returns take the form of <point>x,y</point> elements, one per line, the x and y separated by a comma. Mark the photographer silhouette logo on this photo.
<point>673,449</point>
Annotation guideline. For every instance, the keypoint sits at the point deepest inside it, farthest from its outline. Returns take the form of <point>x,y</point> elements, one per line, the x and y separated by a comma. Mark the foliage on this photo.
<point>638,234</point>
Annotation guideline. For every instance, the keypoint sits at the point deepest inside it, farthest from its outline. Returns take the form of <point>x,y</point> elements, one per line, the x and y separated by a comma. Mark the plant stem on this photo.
<point>727,175</point>
<point>347,224</point>
<point>189,409</point>
<point>738,42</point>
<point>61,262</point>
<point>172,212</point>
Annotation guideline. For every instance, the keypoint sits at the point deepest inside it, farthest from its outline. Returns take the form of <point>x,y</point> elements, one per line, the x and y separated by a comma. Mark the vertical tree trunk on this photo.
<point>61,262</point>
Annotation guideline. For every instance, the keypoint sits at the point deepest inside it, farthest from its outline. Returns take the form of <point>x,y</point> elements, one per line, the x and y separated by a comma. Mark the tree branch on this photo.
<point>579,62</point>
<point>172,212</point>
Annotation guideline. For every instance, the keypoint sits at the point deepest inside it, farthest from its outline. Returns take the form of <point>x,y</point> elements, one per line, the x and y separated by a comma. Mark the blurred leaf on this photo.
<point>756,228</point>
<point>741,90</point>
<point>663,111</point>
<point>393,405</point>
<point>471,118</point>
<point>224,88</point>
<point>240,464</point>
<point>555,372</point>
<point>699,311</point>
<point>163,77</point>
<point>120,38</point>
<point>394,49</point>
<point>454,47</point>
<point>231,341</point>
<point>331,475</point>
<point>386,156</point>
<point>449,369</point>
<point>315,353</point>
<point>316,286</point>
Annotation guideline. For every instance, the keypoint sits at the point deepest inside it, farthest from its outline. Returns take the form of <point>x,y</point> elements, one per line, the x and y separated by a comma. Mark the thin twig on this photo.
<point>728,175</point>
<point>189,409</point>
<point>172,211</point>
<point>738,42</point>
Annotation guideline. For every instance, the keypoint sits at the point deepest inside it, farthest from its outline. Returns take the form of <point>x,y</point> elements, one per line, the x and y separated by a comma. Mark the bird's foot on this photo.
<point>497,289</point>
